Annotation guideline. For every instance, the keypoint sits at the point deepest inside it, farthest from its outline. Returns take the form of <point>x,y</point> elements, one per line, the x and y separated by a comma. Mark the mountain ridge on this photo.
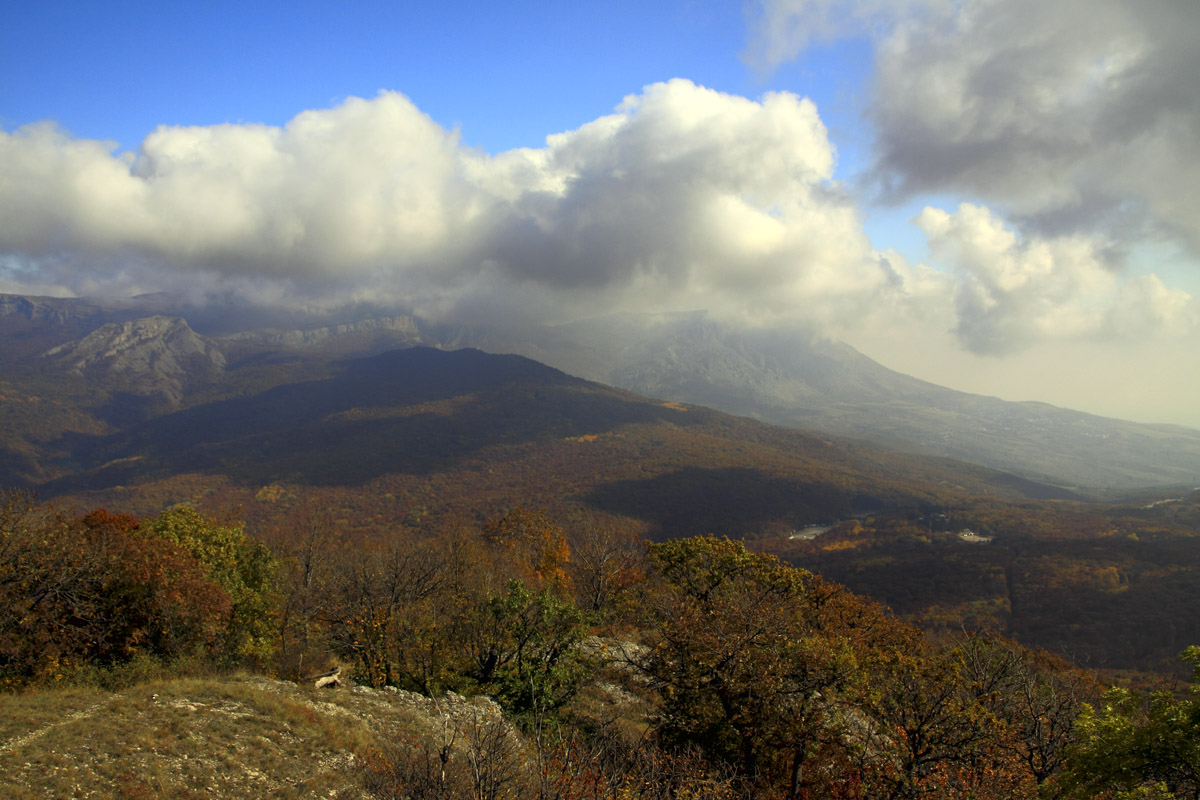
<point>802,381</point>
<point>794,379</point>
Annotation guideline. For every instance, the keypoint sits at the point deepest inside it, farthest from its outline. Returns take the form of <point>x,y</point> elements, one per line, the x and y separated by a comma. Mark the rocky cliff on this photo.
<point>156,355</point>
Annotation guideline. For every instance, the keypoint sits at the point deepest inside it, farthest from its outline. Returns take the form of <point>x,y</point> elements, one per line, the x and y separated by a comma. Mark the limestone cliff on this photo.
<point>152,355</point>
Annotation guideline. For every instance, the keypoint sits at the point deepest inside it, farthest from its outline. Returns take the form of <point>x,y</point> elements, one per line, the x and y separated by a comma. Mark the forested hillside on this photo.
<point>421,443</point>
<point>687,668</point>
<point>665,601</point>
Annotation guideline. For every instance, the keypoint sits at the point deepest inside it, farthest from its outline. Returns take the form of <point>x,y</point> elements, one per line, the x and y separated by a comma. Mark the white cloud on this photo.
<point>684,197</point>
<point>1013,292</point>
<point>333,189</point>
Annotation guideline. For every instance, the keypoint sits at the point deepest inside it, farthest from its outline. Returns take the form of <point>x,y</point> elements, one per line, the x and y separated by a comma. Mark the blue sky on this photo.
<point>505,74</point>
<point>1012,209</point>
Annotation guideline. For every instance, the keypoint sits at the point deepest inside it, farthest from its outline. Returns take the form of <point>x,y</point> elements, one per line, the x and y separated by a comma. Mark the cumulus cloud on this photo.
<point>331,189</point>
<point>1072,116</point>
<point>683,197</point>
<point>1012,292</point>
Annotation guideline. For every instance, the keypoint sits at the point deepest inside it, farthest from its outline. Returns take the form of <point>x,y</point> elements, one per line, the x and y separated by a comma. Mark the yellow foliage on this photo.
<point>273,493</point>
<point>843,545</point>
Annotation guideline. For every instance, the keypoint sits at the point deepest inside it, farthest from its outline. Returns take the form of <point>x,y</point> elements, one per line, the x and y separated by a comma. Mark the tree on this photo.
<point>306,544</point>
<point>1036,698</point>
<point>525,649</point>
<point>605,564</point>
<point>238,564</point>
<point>150,596</point>
<point>743,670</point>
<point>934,738</point>
<point>1133,746</point>
<point>533,544</point>
<point>396,612</point>
<point>93,591</point>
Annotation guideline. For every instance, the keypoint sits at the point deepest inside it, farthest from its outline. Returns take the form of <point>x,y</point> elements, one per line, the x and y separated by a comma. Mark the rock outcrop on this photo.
<point>150,356</point>
<point>366,335</point>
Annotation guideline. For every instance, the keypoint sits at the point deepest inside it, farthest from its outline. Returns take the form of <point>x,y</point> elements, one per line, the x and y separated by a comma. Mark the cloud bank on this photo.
<point>682,198</point>
<point>1012,293</point>
<point>1072,114</point>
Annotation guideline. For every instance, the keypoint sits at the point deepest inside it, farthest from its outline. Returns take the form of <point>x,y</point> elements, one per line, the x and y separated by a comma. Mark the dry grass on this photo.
<point>201,738</point>
<point>21,715</point>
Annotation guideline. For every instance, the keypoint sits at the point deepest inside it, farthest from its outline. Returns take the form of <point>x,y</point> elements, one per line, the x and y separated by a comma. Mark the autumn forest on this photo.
<point>662,600</point>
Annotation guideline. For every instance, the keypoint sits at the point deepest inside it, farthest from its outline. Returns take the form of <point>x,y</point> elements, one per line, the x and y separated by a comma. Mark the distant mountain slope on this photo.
<point>816,384</point>
<point>366,336</point>
<point>438,433</point>
<point>31,325</point>
<point>783,378</point>
<point>403,411</point>
<point>153,355</point>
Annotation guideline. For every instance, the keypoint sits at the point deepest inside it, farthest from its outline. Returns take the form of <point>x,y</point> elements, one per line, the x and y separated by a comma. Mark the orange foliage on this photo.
<point>536,545</point>
<point>93,590</point>
<point>103,518</point>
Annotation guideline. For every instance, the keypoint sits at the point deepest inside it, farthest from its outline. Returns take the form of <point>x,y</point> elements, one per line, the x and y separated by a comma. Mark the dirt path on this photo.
<point>33,736</point>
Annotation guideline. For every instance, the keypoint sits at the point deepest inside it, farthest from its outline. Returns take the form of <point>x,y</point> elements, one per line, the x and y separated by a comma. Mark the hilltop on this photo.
<point>236,737</point>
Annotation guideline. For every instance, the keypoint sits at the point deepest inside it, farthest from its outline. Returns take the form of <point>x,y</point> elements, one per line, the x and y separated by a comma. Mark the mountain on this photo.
<point>31,325</point>
<point>364,336</point>
<point>420,441</point>
<point>487,430</point>
<point>784,378</point>
<point>150,356</point>
<point>816,384</point>
<point>494,429</point>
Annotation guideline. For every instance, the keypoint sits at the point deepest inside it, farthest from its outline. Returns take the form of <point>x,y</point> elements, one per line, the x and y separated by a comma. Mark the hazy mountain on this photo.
<point>423,440</point>
<point>783,378</point>
<point>145,401</point>
<point>31,325</point>
<point>467,431</point>
<point>816,384</point>
<point>365,336</point>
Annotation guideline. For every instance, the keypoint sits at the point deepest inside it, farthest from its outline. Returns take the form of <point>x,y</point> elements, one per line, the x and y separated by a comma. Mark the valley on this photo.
<point>106,408</point>
<point>676,587</point>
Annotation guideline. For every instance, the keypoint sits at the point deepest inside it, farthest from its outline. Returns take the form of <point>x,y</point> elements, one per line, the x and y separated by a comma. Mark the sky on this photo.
<point>999,196</point>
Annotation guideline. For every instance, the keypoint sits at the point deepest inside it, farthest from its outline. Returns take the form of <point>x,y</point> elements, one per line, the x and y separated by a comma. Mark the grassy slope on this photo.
<point>197,738</point>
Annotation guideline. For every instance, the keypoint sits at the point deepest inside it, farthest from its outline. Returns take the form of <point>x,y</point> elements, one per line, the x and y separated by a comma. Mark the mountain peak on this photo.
<point>150,355</point>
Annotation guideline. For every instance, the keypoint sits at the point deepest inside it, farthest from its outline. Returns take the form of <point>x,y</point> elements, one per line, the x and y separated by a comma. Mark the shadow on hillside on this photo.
<point>125,409</point>
<point>16,469</point>
<point>728,501</point>
<point>1130,602</point>
<point>411,411</point>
